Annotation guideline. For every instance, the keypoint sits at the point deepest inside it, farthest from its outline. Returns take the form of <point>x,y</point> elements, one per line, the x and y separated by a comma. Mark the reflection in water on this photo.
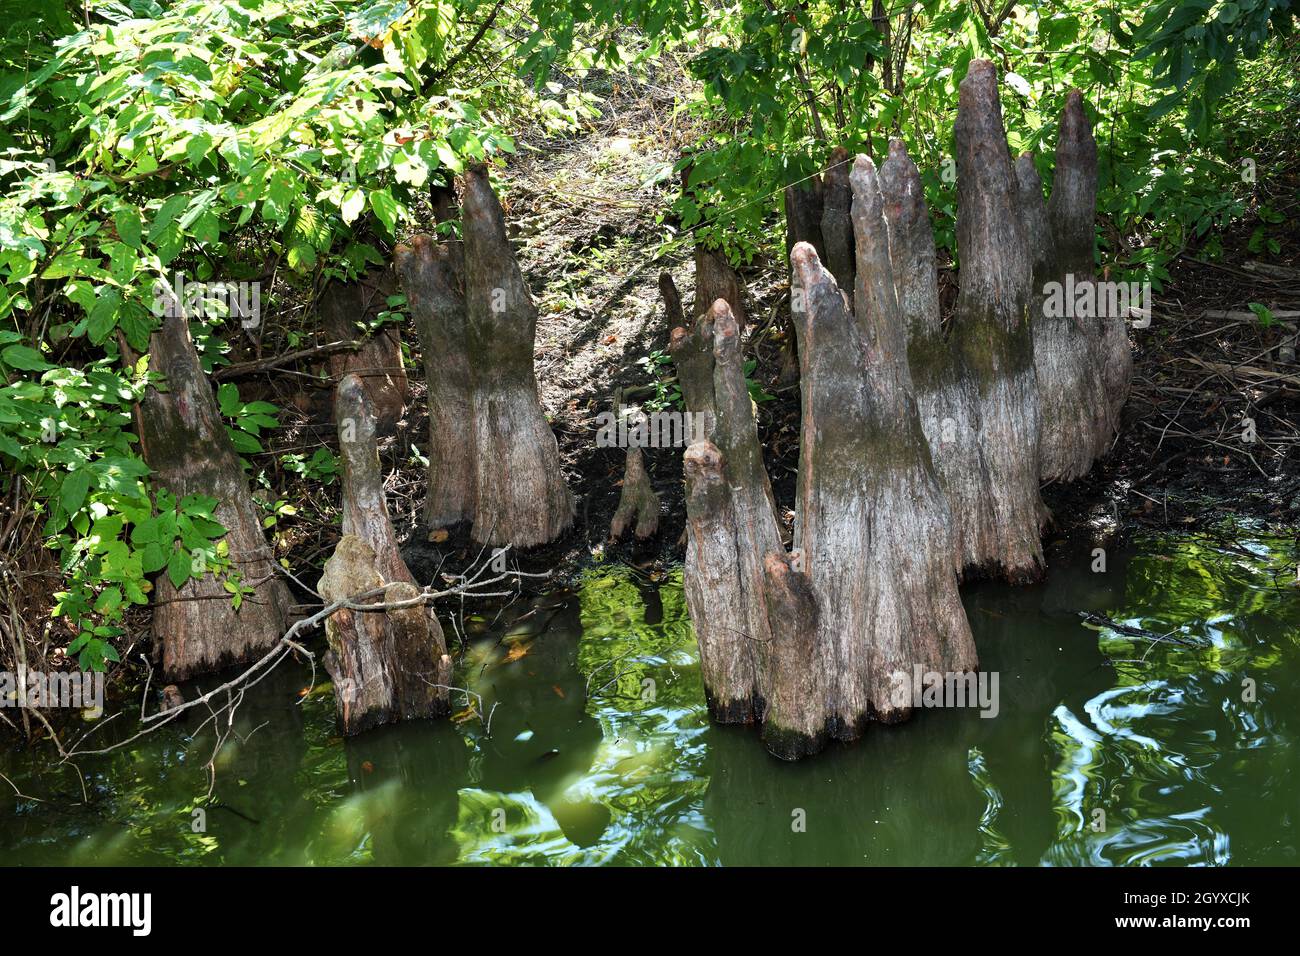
<point>1175,747</point>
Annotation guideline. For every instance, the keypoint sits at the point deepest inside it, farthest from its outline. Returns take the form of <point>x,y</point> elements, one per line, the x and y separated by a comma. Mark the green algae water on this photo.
<point>589,743</point>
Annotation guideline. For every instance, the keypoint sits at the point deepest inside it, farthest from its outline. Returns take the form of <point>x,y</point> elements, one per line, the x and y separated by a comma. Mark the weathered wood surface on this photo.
<point>392,664</point>
<point>432,275</point>
<point>992,334</point>
<point>638,505</point>
<point>493,458</point>
<point>386,665</point>
<point>1072,216</point>
<point>365,511</point>
<point>346,311</point>
<point>947,400</point>
<point>921,446</point>
<point>183,439</point>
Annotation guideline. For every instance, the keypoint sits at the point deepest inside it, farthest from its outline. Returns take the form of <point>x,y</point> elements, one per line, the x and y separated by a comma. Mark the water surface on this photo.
<point>600,750</point>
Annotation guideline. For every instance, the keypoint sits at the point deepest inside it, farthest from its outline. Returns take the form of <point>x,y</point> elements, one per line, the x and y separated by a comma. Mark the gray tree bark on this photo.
<point>365,511</point>
<point>379,359</point>
<point>1072,212</point>
<point>184,441</point>
<point>947,401</point>
<point>433,277</point>
<point>386,665</point>
<point>517,495</point>
<point>991,330</point>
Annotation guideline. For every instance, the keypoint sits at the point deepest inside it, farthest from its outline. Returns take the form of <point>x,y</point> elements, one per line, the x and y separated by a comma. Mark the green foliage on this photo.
<point>215,141</point>
<point>667,393</point>
<point>322,467</point>
<point>781,85</point>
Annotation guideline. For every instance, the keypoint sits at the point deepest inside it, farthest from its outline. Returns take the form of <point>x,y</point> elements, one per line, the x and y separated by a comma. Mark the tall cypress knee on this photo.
<point>520,495</point>
<point>493,457</point>
<point>432,275</point>
<point>991,330</point>
<point>386,665</point>
<point>947,401</point>
<point>365,512</point>
<point>184,441</point>
<point>1072,216</point>
<point>873,528</point>
<point>1074,412</point>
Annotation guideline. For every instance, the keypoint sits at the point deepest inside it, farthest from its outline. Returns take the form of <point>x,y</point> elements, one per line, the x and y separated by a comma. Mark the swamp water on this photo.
<point>601,751</point>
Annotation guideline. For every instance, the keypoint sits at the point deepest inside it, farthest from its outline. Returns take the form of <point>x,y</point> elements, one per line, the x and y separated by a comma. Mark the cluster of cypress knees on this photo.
<point>923,442</point>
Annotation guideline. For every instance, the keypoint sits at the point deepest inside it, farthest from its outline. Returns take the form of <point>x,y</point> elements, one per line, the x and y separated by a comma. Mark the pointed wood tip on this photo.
<point>866,188</point>
<point>806,262</point>
<point>900,180</point>
<point>1027,172</point>
<point>837,169</point>
<point>980,81</point>
<point>1075,127</point>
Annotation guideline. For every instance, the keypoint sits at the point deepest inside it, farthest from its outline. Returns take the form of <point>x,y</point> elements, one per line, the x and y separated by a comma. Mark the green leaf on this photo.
<point>24,357</point>
<point>354,202</point>
<point>385,207</point>
<point>73,492</point>
<point>103,317</point>
<point>178,568</point>
<point>129,226</point>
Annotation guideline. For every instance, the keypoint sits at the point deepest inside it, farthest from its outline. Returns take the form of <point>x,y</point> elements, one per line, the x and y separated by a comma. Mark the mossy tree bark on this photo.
<point>386,665</point>
<point>947,401</point>
<point>365,511</point>
<point>902,426</point>
<point>343,307</point>
<point>1071,214</point>
<point>184,441</point>
<point>517,495</point>
<point>809,644</point>
<point>991,330</point>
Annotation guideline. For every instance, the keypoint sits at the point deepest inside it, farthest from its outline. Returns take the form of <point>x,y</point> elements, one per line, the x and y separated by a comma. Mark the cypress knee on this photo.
<point>365,512</point>
<point>991,330</point>
<point>343,307</point>
<point>873,527</point>
<point>520,495</point>
<point>433,276</point>
<point>1074,424</point>
<point>184,441</point>
<point>638,505</point>
<point>836,224</point>
<point>947,401</point>
<point>386,665</point>
<point>493,457</point>
<point>1072,212</point>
